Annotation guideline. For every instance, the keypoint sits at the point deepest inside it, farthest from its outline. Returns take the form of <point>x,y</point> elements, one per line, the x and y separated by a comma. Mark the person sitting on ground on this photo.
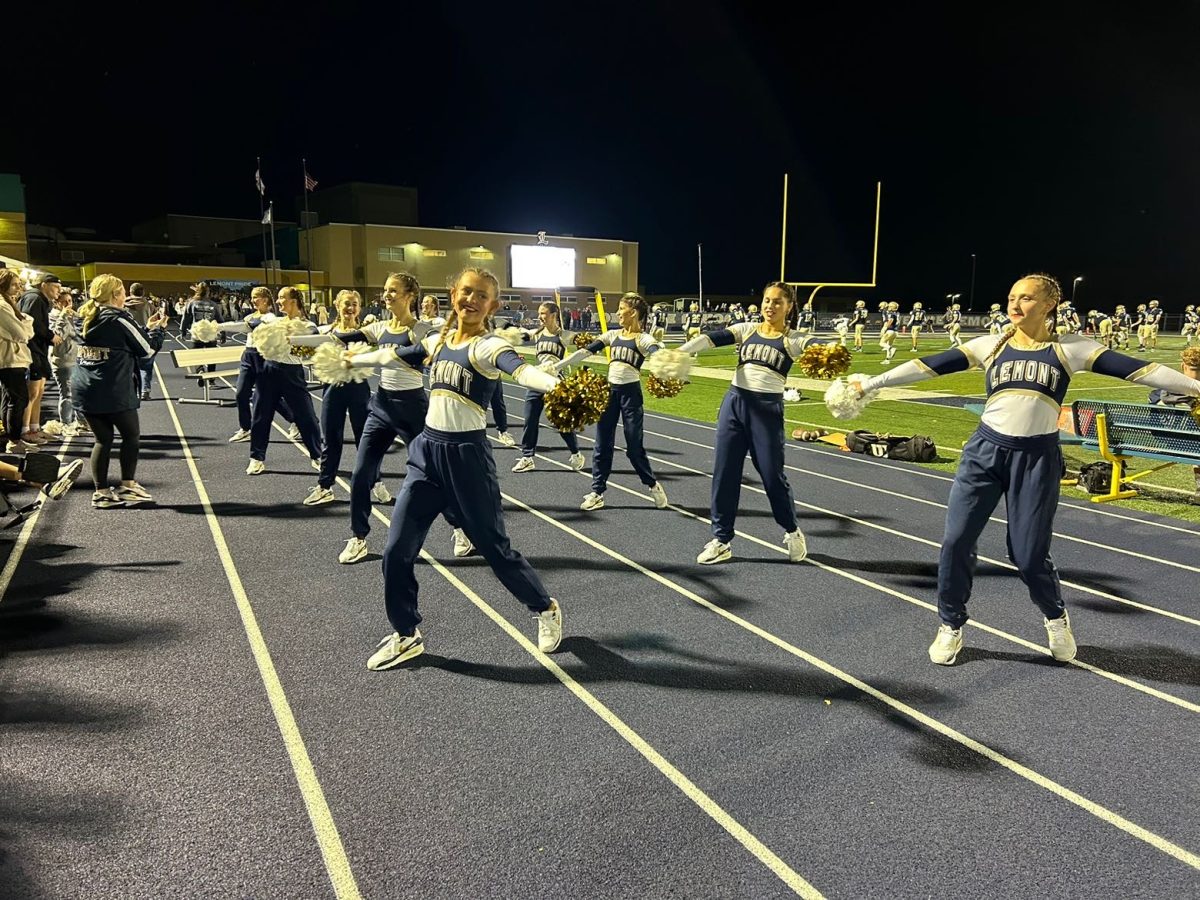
<point>42,471</point>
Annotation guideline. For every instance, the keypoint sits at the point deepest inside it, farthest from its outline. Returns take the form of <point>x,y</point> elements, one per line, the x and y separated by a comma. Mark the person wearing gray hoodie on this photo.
<point>65,323</point>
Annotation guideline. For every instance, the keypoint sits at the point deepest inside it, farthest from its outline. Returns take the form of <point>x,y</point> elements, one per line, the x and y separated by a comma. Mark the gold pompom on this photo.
<point>583,339</point>
<point>663,387</point>
<point>825,361</point>
<point>303,352</point>
<point>580,399</point>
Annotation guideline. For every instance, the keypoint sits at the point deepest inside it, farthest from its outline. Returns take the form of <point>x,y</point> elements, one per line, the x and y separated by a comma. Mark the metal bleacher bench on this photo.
<point>205,356</point>
<point>1168,434</point>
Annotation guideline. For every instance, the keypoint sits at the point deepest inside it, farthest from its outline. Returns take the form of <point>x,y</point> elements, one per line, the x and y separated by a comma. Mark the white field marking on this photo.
<point>707,805</point>
<point>22,541</point>
<point>909,497</point>
<point>861,459</point>
<point>912,537</point>
<point>884,589</point>
<point>1100,812</point>
<point>337,865</point>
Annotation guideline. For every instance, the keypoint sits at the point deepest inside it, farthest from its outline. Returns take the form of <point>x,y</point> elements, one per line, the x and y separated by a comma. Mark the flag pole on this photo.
<point>262,213</point>
<point>274,259</point>
<point>308,234</point>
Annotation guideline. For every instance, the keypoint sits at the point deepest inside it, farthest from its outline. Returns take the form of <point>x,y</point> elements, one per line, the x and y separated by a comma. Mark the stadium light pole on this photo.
<point>1075,284</point>
<point>971,296</point>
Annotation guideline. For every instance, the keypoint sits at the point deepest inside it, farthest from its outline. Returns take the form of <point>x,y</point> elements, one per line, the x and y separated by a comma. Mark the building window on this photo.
<point>429,252</point>
<point>390,254</point>
<point>597,261</point>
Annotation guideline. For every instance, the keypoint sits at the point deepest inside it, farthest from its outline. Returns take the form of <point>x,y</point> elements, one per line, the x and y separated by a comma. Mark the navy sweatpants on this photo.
<point>340,400</point>
<point>248,371</point>
<point>752,422</point>
<point>276,382</point>
<point>624,403</point>
<point>391,414</point>
<point>453,473</point>
<point>535,401</point>
<point>1026,471</point>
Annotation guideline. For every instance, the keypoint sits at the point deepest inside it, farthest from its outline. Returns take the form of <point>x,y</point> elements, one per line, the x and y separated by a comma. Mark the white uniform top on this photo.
<point>762,368</point>
<point>628,352</point>
<point>404,378</point>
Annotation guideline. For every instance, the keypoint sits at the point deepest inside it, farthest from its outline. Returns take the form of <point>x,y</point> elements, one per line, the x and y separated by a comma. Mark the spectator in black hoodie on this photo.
<point>201,306</point>
<point>36,303</point>
<point>106,388</point>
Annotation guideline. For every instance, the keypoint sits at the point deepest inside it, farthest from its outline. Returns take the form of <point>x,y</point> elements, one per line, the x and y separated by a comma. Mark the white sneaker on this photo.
<point>319,495</point>
<point>576,461</point>
<point>105,499</point>
<point>549,626</point>
<point>380,493</point>
<point>592,501</point>
<point>294,432</point>
<point>356,549</point>
<point>239,436</point>
<point>462,543</point>
<point>56,489</point>
<point>1062,641</point>
<point>714,552</point>
<point>659,496</point>
<point>395,649</point>
<point>256,467</point>
<point>506,439</point>
<point>796,545</point>
<point>524,464</point>
<point>133,494</point>
<point>945,647</point>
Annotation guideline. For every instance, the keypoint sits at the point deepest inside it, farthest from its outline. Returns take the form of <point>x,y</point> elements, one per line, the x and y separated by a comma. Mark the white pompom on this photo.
<point>330,365</point>
<point>669,364</point>
<point>512,334</point>
<point>844,401</point>
<point>205,331</point>
<point>791,395</point>
<point>273,338</point>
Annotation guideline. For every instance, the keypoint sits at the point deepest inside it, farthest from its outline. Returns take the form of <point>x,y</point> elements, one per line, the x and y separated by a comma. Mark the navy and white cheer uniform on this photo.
<point>451,470</point>
<point>1015,453</point>
<point>627,353</point>
<point>751,421</point>
<point>552,349</point>
<point>249,369</point>
<point>284,381</point>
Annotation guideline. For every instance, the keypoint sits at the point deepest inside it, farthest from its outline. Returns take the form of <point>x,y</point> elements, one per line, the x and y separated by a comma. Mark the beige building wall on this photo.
<point>361,256</point>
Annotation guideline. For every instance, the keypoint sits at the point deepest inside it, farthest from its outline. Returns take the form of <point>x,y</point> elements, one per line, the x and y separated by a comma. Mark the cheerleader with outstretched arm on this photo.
<point>751,420</point>
<point>1015,451</point>
<point>629,347</point>
<point>550,348</point>
<point>451,468</point>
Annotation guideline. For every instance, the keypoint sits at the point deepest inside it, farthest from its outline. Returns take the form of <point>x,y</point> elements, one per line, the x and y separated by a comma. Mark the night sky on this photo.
<point>1057,137</point>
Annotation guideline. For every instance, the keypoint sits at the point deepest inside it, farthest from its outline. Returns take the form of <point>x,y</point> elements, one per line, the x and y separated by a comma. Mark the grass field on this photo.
<point>1169,492</point>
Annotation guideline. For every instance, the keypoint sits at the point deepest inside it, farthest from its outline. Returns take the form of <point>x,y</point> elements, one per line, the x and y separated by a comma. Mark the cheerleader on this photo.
<point>284,381</point>
<point>500,417</point>
<point>451,468</point>
<point>339,400</point>
<point>858,321</point>
<point>887,330</point>
<point>550,348</point>
<point>953,320</point>
<point>397,409</point>
<point>430,314</point>
<point>629,349</point>
<point>916,321</point>
<point>1154,317</point>
<point>751,420</point>
<point>1015,451</point>
<point>1191,325</point>
<point>251,363</point>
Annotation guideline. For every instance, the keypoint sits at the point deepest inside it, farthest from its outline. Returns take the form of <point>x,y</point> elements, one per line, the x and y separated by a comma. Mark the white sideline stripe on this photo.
<point>911,537</point>
<point>18,550</point>
<point>879,490</point>
<point>1100,812</point>
<point>337,865</point>
<point>862,460</point>
<point>884,589</point>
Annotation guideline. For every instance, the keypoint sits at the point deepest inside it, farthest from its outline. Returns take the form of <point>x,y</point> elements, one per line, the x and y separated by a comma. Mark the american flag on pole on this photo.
<point>310,183</point>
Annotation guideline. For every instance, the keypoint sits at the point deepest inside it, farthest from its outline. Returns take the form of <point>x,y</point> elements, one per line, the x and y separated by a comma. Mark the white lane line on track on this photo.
<point>1100,812</point>
<point>333,853</point>
<point>860,459</point>
<point>911,537</point>
<point>884,589</point>
<point>22,541</point>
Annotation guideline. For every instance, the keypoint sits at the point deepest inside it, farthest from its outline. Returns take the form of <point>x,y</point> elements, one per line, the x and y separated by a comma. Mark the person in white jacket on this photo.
<point>16,329</point>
